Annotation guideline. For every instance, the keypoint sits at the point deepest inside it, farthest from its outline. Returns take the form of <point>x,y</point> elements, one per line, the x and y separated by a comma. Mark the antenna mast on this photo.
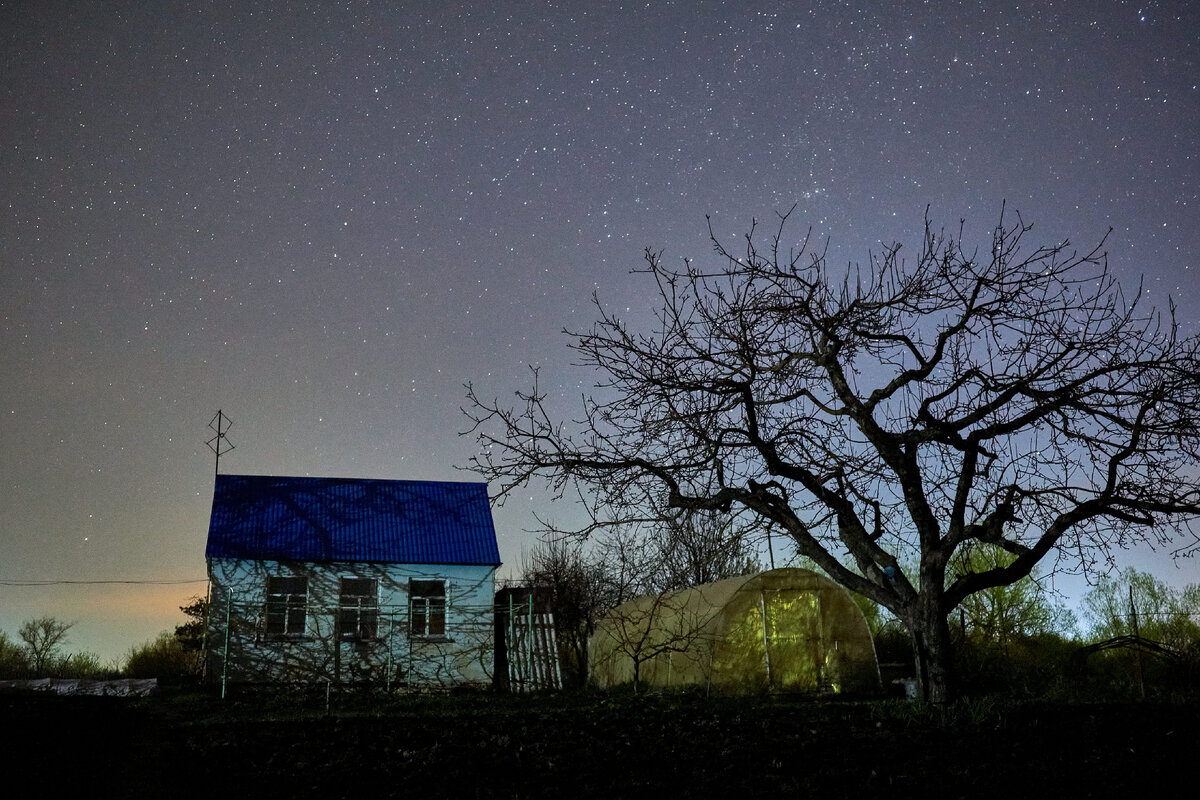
<point>219,444</point>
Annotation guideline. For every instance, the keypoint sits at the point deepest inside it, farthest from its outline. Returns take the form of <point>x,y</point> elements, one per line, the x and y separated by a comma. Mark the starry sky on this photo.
<point>324,218</point>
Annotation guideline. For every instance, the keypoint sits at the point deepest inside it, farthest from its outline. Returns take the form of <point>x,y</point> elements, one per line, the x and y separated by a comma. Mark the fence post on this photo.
<point>225,658</point>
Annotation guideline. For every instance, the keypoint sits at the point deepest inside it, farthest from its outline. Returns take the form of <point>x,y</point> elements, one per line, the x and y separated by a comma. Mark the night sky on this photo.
<point>325,218</point>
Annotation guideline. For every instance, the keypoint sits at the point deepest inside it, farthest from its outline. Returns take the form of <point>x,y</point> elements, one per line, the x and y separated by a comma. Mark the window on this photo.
<point>428,608</point>
<point>358,611</point>
<point>287,600</point>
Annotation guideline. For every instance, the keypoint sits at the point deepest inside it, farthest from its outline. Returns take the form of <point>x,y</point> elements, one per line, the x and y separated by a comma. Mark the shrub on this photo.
<point>80,665</point>
<point>161,657</point>
<point>14,662</point>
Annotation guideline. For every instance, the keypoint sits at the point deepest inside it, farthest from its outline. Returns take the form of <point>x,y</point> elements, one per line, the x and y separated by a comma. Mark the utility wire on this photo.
<point>94,583</point>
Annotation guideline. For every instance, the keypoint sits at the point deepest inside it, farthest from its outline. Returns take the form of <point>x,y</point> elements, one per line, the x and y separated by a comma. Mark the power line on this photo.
<point>95,583</point>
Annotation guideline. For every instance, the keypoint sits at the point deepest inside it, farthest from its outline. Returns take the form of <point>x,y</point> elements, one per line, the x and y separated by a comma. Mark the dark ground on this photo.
<point>582,746</point>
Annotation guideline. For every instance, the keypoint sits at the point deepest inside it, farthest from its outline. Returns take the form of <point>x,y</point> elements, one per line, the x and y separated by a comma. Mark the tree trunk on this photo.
<point>933,651</point>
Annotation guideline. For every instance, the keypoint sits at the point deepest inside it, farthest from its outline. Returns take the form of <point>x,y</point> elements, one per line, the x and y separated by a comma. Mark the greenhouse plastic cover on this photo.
<point>788,629</point>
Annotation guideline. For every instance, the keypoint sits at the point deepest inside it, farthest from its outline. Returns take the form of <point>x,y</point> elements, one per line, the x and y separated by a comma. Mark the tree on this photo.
<point>894,413</point>
<point>1136,603</point>
<point>83,664</point>
<point>191,634</point>
<point>653,625</point>
<point>577,590</point>
<point>683,550</point>
<point>1000,614</point>
<point>692,548</point>
<point>43,637</point>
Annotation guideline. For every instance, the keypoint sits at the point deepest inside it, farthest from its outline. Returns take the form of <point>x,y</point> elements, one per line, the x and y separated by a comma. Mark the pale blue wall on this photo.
<point>463,656</point>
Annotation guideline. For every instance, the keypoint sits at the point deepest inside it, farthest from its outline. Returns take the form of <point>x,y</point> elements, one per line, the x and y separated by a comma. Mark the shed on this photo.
<point>788,629</point>
<point>351,580</point>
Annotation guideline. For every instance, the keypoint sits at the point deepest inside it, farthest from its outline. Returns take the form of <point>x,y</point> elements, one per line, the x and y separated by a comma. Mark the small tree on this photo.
<point>894,413</point>
<point>576,589</point>
<point>192,634</point>
<point>14,660</point>
<point>651,626</point>
<point>43,637</point>
<point>83,664</point>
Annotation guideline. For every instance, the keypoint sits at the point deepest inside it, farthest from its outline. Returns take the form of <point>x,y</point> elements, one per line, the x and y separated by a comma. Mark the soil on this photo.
<point>594,745</point>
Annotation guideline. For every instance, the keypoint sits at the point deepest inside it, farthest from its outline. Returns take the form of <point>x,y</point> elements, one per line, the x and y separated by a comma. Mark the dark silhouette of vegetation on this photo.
<point>1135,603</point>
<point>162,657</point>
<point>1144,635</point>
<point>14,659</point>
<point>576,590</point>
<point>191,633</point>
<point>40,654</point>
<point>43,638</point>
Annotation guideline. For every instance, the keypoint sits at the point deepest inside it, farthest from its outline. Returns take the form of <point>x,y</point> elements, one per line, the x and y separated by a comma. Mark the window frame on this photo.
<point>285,612</point>
<point>358,611</point>
<point>427,609</point>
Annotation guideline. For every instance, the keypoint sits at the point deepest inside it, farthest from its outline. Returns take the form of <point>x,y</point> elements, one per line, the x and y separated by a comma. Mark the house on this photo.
<point>385,582</point>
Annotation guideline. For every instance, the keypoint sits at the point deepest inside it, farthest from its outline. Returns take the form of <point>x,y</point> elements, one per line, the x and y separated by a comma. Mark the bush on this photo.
<point>81,665</point>
<point>14,662</point>
<point>1024,666</point>
<point>162,657</point>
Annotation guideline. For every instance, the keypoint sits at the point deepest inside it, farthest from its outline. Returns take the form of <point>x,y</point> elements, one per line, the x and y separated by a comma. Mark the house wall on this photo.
<point>243,649</point>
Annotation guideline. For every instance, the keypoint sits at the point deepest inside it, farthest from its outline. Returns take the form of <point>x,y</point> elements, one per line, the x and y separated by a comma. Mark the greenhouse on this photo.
<point>787,629</point>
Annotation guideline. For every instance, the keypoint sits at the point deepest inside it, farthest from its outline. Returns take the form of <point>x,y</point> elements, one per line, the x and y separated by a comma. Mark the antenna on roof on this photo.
<point>219,444</point>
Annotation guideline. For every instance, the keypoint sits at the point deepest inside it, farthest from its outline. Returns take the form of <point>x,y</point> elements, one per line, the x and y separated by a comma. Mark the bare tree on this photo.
<point>696,547</point>
<point>649,627</point>
<point>43,637</point>
<point>578,594</point>
<point>893,413</point>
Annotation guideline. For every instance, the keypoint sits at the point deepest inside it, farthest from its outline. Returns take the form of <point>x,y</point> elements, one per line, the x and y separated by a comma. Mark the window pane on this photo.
<point>418,617</point>
<point>295,619</point>
<point>276,618</point>
<point>437,617</point>
<point>278,585</point>
<point>368,624</point>
<point>427,588</point>
<point>358,587</point>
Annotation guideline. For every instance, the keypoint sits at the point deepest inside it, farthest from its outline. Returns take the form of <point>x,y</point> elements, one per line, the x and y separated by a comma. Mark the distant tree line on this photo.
<point>39,651</point>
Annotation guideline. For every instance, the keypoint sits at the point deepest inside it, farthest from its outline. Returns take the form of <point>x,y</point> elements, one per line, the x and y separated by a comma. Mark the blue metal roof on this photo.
<point>351,519</point>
